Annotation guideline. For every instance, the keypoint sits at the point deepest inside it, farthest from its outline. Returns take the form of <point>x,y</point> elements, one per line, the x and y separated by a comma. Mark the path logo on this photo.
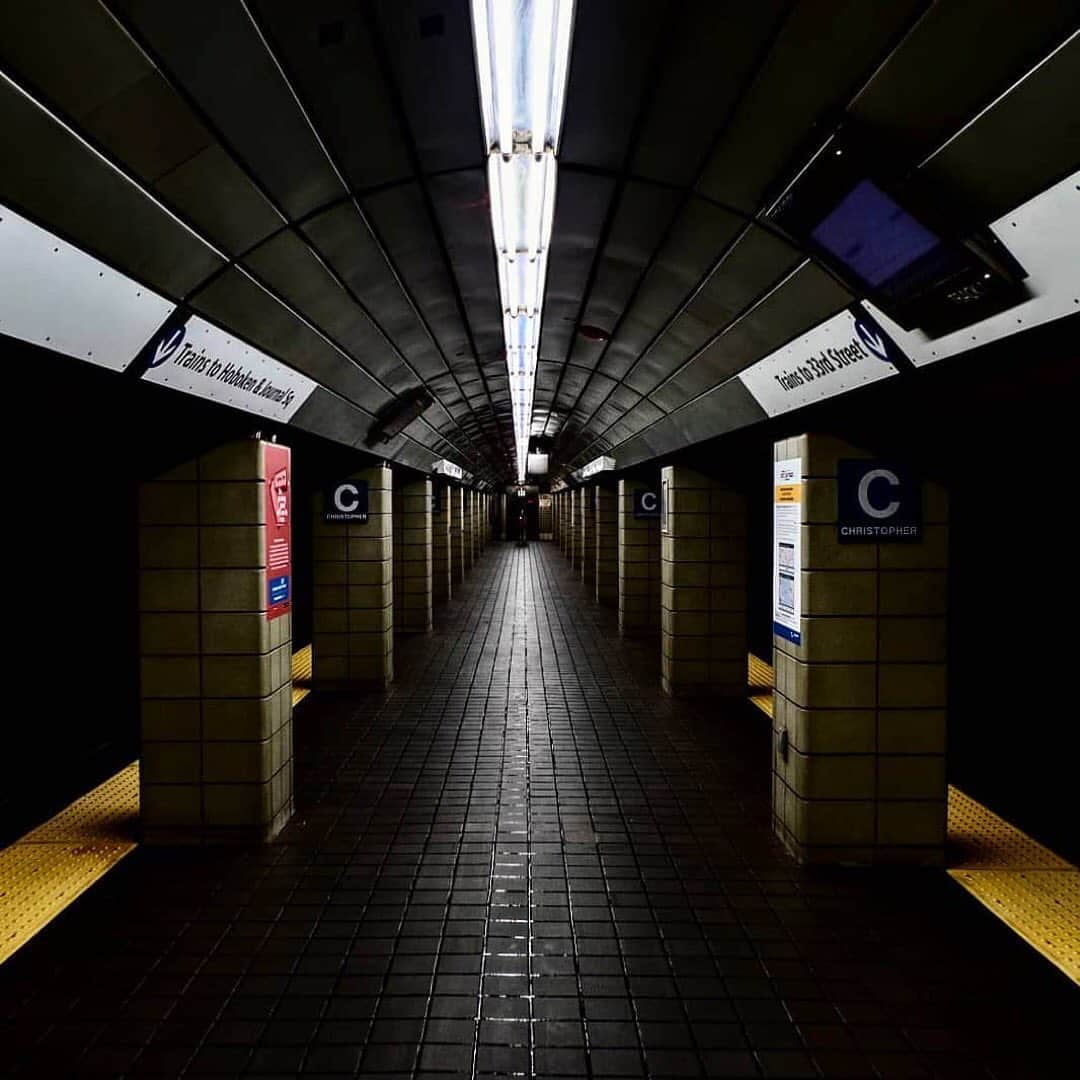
<point>167,346</point>
<point>874,340</point>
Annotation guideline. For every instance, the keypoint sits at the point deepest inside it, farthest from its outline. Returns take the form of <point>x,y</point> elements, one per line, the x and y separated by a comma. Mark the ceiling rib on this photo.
<point>236,262</point>
<point>898,40</point>
<point>385,69</point>
<point>687,194</point>
<point>620,177</point>
<point>288,79</point>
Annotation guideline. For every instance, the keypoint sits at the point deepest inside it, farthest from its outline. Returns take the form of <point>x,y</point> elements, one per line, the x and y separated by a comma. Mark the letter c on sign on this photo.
<point>868,507</point>
<point>648,501</point>
<point>342,498</point>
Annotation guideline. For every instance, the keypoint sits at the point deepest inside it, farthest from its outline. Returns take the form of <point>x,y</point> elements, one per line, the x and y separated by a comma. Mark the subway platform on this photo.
<point>523,859</point>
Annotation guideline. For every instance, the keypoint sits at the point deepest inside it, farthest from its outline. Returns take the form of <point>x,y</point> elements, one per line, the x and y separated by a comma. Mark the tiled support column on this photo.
<point>702,587</point>
<point>216,672</point>
<point>607,547</point>
<point>862,698</point>
<point>353,599</point>
<point>456,497</point>
<point>639,567</point>
<point>587,536</point>
<point>441,577</point>
<point>468,535</point>
<point>564,539</point>
<point>478,525</point>
<point>412,558</point>
<point>573,546</point>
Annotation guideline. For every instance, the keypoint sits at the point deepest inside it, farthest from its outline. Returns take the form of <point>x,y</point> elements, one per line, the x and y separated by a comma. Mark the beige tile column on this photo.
<point>702,586</point>
<point>564,540</point>
<point>638,565</point>
<point>456,496</point>
<point>353,600</point>
<point>860,702</point>
<point>573,547</point>
<point>478,525</point>
<point>441,577</point>
<point>587,536</point>
<point>468,533</point>
<point>215,655</point>
<point>412,558</point>
<point>607,546</point>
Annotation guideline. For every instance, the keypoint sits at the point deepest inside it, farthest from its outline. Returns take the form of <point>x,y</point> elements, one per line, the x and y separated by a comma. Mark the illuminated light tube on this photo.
<point>522,61</point>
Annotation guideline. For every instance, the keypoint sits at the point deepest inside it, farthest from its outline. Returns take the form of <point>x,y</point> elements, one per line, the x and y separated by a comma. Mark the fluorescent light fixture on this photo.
<point>599,465</point>
<point>522,59</point>
<point>538,464</point>
<point>447,468</point>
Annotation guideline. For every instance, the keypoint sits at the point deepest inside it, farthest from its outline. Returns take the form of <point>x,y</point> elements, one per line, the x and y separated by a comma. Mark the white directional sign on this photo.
<point>57,296</point>
<point>200,359</point>
<point>844,352</point>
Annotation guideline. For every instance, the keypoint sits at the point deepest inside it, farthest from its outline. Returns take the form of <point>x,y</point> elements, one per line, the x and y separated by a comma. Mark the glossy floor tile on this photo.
<point>521,860</point>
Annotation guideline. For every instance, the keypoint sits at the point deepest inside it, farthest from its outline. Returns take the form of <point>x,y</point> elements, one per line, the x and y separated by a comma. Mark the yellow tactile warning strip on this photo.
<point>759,680</point>
<point>301,674</point>
<point>1024,884</point>
<point>980,840</point>
<point>1033,891</point>
<point>55,863</point>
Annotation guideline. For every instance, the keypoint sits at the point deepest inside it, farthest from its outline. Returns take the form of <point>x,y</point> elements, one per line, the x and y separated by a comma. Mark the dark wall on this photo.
<point>84,440</point>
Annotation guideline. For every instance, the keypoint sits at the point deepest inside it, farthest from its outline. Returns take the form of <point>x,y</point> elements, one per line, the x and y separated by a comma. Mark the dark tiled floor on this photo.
<point>525,860</point>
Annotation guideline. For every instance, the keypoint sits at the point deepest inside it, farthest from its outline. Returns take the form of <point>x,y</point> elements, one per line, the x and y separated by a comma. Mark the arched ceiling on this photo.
<point>311,177</point>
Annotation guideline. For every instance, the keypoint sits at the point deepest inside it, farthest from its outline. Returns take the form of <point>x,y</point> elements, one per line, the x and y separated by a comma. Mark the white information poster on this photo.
<point>787,558</point>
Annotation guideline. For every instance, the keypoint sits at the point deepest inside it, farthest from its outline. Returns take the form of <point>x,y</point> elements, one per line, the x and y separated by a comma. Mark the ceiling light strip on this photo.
<point>522,59</point>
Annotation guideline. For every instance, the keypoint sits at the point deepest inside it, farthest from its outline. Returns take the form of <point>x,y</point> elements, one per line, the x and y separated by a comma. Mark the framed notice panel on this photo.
<point>278,530</point>
<point>787,554</point>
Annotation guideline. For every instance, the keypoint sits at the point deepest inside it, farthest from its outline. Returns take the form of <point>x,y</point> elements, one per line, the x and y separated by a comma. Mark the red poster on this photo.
<point>278,530</point>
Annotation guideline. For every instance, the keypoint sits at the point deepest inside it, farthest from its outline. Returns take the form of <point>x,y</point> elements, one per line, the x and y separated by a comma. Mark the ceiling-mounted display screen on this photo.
<point>911,254</point>
<point>880,243</point>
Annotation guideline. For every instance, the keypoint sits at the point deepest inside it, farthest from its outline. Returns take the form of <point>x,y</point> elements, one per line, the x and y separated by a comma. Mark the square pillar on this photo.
<point>702,587</point>
<point>468,534</point>
<point>564,516</point>
<point>412,558</point>
<point>478,525</point>
<point>638,565</point>
<point>441,577</point>
<point>353,600</point>
<point>456,496</point>
<point>607,547</point>
<point>860,700</point>
<point>215,645</point>
<point>573,547</point>
<point>587,536</point>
